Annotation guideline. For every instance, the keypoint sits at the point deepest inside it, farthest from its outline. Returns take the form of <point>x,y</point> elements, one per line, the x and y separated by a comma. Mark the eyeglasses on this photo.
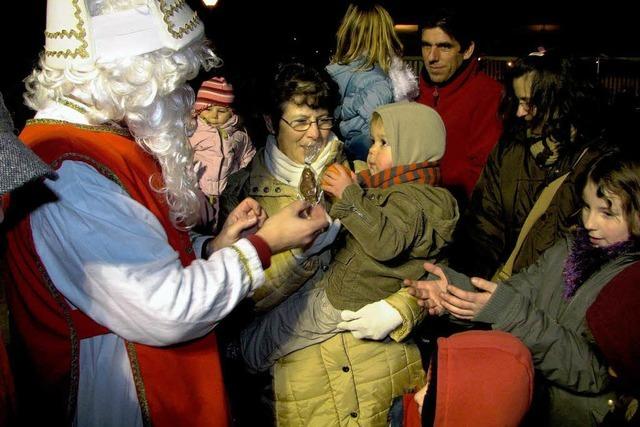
<point>302,125</point>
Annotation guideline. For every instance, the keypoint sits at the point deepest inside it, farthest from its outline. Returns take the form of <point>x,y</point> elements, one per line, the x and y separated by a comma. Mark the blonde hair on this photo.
<point>367,33</point>
<point>148,93</point>
<point>376,118</point>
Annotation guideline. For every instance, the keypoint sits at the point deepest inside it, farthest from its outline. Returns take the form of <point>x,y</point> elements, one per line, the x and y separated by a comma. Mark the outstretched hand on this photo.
<point>466,305</point>
<point>245,218</point>
<point>296,225</point>
<point>429,292</point>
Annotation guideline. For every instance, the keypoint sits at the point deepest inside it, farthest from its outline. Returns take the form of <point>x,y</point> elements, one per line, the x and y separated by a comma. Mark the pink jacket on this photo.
<point>220,151</point>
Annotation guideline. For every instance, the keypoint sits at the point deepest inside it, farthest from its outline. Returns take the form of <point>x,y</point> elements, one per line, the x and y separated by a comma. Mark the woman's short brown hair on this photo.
<point>301,84</point>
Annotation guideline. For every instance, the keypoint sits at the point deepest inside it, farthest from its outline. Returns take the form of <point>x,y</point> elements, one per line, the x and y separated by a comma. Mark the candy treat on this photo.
<point>308,186</point>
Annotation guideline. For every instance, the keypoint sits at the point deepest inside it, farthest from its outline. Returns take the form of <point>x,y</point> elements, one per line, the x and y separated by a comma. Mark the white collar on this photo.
<point>68,110</point>
<point>289,172</point>
<point>57,111</point>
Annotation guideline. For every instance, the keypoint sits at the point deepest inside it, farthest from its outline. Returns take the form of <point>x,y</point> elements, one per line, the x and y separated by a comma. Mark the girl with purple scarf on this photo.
<point>545,305</point>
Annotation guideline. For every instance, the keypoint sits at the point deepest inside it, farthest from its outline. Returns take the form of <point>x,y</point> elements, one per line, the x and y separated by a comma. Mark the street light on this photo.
<point>210,3</point>
<point>406,28</point>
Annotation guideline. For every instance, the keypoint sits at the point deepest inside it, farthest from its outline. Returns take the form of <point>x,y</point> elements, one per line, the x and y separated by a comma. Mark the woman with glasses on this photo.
<point>363,374</point>
<point>300,146</point>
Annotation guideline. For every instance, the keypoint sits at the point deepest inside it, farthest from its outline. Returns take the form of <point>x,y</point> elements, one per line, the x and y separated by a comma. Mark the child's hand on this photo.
<point>336,178</point>
<point>467,305</point>
<point>429,292</point>
<point>374,321</point>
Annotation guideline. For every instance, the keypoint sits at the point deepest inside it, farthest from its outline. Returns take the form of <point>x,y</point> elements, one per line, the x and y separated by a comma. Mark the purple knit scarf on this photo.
<point>585,259</point>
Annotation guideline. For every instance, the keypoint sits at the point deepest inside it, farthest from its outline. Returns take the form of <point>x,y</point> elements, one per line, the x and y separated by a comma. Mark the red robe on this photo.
<point>176,385</point>
<point>7,391</point>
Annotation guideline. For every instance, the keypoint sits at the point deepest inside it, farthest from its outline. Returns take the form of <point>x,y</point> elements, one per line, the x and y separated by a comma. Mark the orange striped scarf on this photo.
<point>423,172</point>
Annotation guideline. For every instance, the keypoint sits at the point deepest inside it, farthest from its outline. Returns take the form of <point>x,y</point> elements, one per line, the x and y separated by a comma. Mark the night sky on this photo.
<point>252,35</point>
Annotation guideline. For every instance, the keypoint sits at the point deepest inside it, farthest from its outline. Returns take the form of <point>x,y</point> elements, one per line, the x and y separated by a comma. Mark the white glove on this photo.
<point>323,240</point>
<point>373,321</point>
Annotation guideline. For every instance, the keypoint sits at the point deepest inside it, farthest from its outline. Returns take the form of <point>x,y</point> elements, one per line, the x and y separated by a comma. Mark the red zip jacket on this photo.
<point>468,105</point>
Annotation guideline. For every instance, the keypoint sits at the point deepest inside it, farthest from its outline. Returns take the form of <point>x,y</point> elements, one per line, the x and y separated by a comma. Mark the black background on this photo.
<point>252,35</point>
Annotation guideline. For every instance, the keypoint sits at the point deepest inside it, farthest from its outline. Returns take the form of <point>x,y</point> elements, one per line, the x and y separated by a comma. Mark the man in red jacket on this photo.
<point>466,99</point>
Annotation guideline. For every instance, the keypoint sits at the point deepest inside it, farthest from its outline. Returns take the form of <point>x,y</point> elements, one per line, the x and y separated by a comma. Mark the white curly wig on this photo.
<point>147,93</point>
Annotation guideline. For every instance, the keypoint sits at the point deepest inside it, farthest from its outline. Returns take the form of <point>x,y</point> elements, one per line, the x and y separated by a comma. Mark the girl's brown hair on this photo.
<point>619,174</point>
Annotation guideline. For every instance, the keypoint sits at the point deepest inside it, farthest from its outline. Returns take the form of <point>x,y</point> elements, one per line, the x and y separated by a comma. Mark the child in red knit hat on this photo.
<point>221,144</point>
<point>614,322</point>
<point>475,378</point>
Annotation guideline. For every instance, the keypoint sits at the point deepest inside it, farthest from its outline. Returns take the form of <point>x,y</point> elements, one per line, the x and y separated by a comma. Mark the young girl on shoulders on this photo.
<point>369,71</point>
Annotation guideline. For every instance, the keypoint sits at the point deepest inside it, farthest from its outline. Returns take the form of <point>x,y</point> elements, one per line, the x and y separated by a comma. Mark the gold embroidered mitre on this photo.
<point>74,38</point>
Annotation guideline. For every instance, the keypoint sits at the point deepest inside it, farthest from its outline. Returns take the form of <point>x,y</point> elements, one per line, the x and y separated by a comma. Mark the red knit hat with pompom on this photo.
<point>215,91</point>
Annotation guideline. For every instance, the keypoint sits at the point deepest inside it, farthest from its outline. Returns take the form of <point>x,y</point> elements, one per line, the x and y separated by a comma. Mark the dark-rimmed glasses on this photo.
<point>302,125</point>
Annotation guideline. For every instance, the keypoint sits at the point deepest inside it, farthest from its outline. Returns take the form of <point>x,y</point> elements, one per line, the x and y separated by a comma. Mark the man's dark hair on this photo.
<point>456,24</point>
<point>564,96</point>
<point>303,85</point>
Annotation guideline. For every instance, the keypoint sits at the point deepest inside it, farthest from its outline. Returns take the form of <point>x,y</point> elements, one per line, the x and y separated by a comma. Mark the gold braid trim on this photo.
<point>103,170</point>
<point>96,128</point>
<point>74,369</point>
<point>168,11</point>
<point>72,105</point>
<point>245,263</point>
<point>79,33</point>
<point>137,379</point>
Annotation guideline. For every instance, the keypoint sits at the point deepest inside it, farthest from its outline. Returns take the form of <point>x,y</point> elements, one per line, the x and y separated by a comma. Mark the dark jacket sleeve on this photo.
<point>233,194</point>
<point>480,238</point>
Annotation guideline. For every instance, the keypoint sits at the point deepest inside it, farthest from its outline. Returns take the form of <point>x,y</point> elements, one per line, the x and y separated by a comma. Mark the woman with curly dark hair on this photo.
<point>525,198</point>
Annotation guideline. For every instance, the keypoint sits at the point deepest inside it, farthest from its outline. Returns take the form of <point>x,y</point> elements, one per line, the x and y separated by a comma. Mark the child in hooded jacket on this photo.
<point>395,220</point>
<point>221,144</point>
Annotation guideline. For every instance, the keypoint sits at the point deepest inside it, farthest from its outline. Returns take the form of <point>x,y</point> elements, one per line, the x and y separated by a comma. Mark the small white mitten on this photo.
<point>373,321</point>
